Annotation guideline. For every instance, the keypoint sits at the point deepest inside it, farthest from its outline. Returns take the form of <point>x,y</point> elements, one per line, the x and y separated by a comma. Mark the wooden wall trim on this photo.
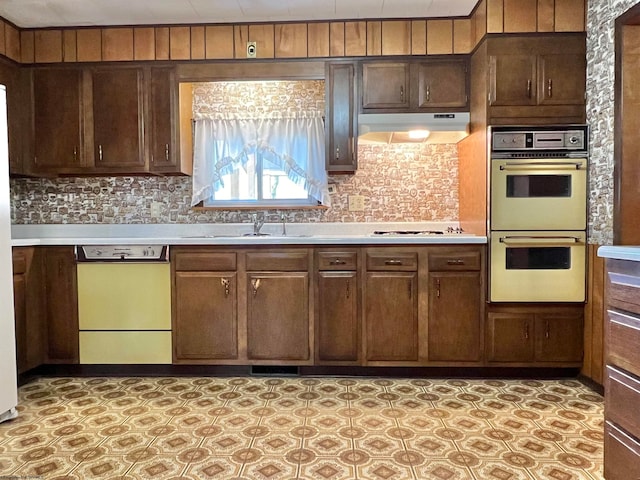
<point>346,38</point>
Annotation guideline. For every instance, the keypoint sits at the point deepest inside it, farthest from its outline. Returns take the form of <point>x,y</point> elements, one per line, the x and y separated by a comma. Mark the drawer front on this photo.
<point>337,260</point>
<point>205,261</point>
<point>621,454</point>
<point>454,261</point>
<point>19,263</point>
<point>623,338</point>
<point>622,400</point>
<point>279,261</point>
<point>397,261</point>
<point>624,291</point>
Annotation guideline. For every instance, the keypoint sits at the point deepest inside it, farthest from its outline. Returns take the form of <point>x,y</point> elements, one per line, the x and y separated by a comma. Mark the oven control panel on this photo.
<point>568,139</point>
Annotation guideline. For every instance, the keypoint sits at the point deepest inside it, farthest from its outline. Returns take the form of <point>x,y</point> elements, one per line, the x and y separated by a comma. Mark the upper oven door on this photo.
<point>539,194</point>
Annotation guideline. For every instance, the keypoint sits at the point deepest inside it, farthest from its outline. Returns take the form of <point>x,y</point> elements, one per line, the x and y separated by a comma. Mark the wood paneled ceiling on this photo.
<point>72,13</point>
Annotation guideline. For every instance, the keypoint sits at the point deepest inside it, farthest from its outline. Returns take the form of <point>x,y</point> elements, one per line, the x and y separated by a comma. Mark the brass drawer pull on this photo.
<point>337,261</point>
<point>455,261</point>
<point>393,262</point>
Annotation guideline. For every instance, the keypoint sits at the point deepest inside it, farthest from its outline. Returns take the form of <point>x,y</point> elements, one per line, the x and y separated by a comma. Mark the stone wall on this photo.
<point>601,16</point>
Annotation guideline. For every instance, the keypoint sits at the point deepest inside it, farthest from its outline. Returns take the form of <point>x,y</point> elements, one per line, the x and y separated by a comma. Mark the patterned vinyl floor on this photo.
<point>304,428</point>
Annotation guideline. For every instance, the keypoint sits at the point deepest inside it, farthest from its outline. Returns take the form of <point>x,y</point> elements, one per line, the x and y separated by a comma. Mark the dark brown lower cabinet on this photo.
<point>391,316</point>
<point>536,335</point>
<point>455,325</point>
<point>337,317</point>
<point>278,316</point>
<point>205,316</point>
<point>62,305</point>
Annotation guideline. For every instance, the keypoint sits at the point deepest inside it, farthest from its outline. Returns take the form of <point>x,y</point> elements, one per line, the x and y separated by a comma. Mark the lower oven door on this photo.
<point>545,194</point>
<point>537,266</point>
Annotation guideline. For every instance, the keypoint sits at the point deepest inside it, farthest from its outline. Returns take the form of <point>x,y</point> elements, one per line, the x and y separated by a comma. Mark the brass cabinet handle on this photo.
<point>348,292</point>
<point>255,284</point>
<point>75,153</point>
<point>401,93</point>
<point>100,152</point>
<point>437,288</point>
<point>393,262</point>
<point>550,88</point>
<point>166,151</point>
<point>428,93</point>
<point>225,283</point>
<point>337,153</point>
<point>529,88</point>
<point>526,331</point>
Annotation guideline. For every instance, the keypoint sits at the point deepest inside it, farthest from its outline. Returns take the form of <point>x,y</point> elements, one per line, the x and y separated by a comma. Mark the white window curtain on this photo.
<point>295,144</point>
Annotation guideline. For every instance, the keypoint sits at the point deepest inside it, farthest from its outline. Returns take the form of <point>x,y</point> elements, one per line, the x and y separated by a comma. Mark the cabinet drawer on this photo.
<point>621,454</point>
<point>205,261</point>
<point>624,291</point>
<point>623,334</point>
<point>337,260</point>
<point>454,261</point>
<point>398,261</point>
<point>622,400</point>
<point>19,263</point>
<point>291,261</point>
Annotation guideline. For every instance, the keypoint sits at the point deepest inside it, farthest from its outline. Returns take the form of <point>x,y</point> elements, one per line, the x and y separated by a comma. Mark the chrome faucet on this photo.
<point>283,219</point>
<point>258,221</point>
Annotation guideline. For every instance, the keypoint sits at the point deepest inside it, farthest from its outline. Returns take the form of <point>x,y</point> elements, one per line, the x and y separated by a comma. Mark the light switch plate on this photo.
<point>356,203</point>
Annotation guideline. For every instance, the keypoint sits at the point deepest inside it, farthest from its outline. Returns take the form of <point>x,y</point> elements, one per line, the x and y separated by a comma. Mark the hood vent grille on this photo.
<point>395,127</point>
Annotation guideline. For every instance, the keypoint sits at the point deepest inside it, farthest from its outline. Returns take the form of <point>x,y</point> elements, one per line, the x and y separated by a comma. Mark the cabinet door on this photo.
<point>512,79</point>
<point>205,321</point>
<point>510,337</point>
<point>391,316</point>
<point>337,317</point>
<point>441,85</point>
<point>117,118</point>
<point>62,305</point>
<point>559,338</point>
<point>20,307</point>
<point>385,85</point>
<point>162,102</point>
<point>278,316</point>
<point>341,118</point>
<point>562,79</point>
<point>57,108</point>
<point>454,316</point>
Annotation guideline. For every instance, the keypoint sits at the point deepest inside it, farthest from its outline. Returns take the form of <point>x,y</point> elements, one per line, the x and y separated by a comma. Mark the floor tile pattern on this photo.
<point>271,428</point>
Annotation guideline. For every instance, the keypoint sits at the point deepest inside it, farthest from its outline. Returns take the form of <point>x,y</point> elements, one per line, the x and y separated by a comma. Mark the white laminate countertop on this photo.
<point>234,234</point>
<point>620,253</point>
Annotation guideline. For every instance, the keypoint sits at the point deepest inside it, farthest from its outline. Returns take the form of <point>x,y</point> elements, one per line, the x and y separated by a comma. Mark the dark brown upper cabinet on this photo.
<point>415,86</point>
<point>341,125</point>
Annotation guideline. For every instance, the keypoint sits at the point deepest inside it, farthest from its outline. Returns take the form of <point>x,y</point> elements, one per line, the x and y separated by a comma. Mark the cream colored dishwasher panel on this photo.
<point>125,347</point>
<point>124,296</point>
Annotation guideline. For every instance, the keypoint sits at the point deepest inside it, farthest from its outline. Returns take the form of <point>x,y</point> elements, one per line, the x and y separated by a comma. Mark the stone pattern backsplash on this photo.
<point>401,182</point>
<point>601,15</point>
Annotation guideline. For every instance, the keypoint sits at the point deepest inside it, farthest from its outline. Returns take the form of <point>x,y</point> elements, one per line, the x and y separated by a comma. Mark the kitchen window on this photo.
<point>258,156</point>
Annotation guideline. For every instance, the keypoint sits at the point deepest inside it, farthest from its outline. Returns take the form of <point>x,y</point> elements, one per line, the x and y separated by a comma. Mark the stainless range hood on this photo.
<point>396,127</point>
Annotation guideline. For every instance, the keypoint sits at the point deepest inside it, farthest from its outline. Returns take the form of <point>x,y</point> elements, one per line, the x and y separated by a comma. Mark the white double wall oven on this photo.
<point>538,213</point>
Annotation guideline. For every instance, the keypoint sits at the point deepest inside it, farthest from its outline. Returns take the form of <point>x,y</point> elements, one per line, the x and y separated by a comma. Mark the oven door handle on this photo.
<point>528,240</point>
<point>556,165</point>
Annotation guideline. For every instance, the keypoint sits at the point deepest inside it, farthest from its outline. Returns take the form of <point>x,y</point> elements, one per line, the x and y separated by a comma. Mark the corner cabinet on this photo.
<point>541,79</point>
<point>415,86</point>
<point>341,117</point>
